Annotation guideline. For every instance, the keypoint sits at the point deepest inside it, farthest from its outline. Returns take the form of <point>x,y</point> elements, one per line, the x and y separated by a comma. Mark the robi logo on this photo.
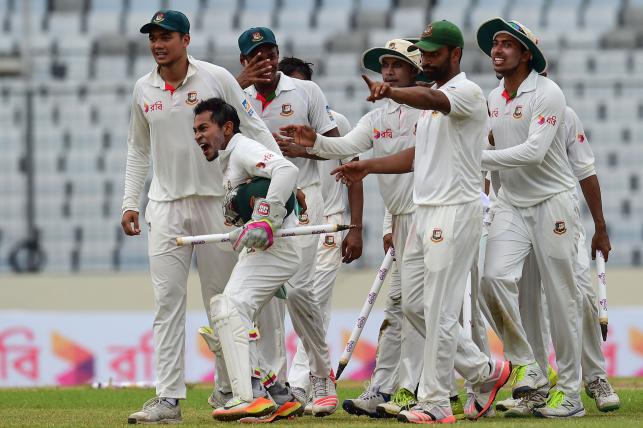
<point>377,134</point>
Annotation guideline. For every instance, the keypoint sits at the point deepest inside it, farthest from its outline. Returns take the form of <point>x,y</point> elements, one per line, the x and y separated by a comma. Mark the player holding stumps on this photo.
<point>446,230</point>
<point>535,211</point>
<point>185,197</point>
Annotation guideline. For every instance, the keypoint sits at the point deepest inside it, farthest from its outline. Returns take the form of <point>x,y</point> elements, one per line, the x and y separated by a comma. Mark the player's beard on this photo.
<point>437,74</point>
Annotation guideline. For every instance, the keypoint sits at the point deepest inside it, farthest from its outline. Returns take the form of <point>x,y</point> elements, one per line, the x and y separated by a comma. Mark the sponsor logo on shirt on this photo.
<point>550,120</point>
<point>286,110</point>
<point>436,236</point>
<point>580,137</point>
<point>330,115</point>
<point>494,112</point>
<point>329,241</point>
<point>247,106</point>
<point>263,209</point>
<point>191,98</point>
<point>559,227</point>
<point>157,105</point>
<point>386,133</point>
<point>517,112</point>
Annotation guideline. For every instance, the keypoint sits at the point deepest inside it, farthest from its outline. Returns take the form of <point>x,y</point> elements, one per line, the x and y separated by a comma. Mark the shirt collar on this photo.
<point>392,106</point>
<point>224,155</point>
<point>286,83</point>
<point>458,77</point>
<point>157,81</point>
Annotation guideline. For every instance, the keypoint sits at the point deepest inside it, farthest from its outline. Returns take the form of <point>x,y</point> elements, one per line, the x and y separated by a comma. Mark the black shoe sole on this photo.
<point>351,409</point>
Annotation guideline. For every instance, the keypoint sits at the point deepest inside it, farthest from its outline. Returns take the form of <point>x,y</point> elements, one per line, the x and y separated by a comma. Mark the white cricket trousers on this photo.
<point>533,313</point>
<point>169,268</point>
<point>551,230</point>
<point>398,362</point>
<point>442,248</point>
<point>329,260</point>
<point>301,303</point>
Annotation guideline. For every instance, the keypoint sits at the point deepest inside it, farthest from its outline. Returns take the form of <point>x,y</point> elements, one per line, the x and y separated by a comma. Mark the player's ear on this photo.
<point>228,128</point>
<point>243,60</point>
<point>186,40</point>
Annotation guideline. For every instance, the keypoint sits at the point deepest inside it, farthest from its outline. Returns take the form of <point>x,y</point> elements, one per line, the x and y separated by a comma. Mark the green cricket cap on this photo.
<point>438,34</point>
<point>243,202</point>
<point>171,20</point>
<point>254,37</point>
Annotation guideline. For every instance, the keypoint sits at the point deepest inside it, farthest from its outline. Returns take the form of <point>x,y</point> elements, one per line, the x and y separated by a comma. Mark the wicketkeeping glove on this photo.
<point>258,232</point>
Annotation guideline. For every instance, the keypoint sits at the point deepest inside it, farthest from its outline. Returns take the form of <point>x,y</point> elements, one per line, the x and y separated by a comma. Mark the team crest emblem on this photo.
<point>517,112</point>
<point>435,113</point>
<point>191,98</point>
<point>263,209</point>
<point>159,17</point>
<point>391,45</point>
<point>559,227</point>
<point>303,218</point>
<point>437,235</point>
<point>329,241</point>
<point>286,110</point>
<point>257,36</point>
<point>428,32</point>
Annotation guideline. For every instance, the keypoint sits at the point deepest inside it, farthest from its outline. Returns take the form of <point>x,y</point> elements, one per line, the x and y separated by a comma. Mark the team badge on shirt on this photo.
<point>517,112</point>
<point>559,227</point>
<point>303,218</point>
<point>286,110</point>
<point>263,209</point>
<point>580,138</point>
<point>329,241</point>
<point>191,98</point>
<point>436,236</point>
<point>435,113</point>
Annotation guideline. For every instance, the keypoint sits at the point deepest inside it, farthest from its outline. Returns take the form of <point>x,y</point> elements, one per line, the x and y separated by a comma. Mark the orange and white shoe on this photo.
<point>237,408</point>
<point>324,401</point>
<point>485,391</point>
<point>425,413</point>
<point>288,410</point>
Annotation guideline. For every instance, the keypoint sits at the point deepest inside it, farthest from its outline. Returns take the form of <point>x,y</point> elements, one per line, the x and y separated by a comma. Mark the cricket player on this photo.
<point>254,280</point>
<point>387,130</point>
<point>536,211</point>
<point>329,247</point>
<point>581,159</point>
<point>185,196</point>
<point>443,242</point>
<point>282,101</point>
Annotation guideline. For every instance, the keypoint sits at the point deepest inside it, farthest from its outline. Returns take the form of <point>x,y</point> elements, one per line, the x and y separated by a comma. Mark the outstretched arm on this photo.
<point>418,97</point>
<point>398,163</point>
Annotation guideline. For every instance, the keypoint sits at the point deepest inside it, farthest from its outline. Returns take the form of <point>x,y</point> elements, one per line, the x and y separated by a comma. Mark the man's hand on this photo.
<point>351,172</point>
<point>379,90</point>
<point>130,217</point>
<point>352,245</point>
<point>600,241</point>
<point>388,242</point>
<point>289,148</point>
<point>301,200</point>
<point>299,134</point>
<point>254,71</point>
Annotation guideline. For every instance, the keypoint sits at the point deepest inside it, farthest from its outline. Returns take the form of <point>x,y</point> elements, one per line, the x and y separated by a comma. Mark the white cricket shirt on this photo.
<point>387,130</point>
<point>530,150</point>
<point>161,130</point>
<point>333,191</point>
<point>244,159</point>
<point>447,148</point>
<point>579,153</point>
<point>296,102</point>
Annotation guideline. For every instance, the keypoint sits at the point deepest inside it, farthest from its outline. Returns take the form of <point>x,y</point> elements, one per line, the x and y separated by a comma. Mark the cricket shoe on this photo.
<point>506,404</point>
<point>471,397</point>
<point>308,409</point>
<point>456,407</point>
<point>366,403</point>
<point>324,399</point>
<point>603,394</point>
<point>527,378</point>
<point>300,394</point>
<point>524,406</point>
<point>287,406</point>
<point>561,406</point>
<point>426,413</point>
<point>403,399</point>
<point>157,411</point>
<point>218,399</point>
<point>485,391</point>
<point>237,408</point>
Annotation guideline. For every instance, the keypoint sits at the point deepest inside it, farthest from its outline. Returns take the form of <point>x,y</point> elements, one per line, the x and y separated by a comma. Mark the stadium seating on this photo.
<point>86,56</point>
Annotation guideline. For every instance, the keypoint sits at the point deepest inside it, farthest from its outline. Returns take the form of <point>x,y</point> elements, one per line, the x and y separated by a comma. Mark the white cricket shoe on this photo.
<point>157,411</point>
<point>218,399</point>
<point>506,404</point>
<point>366,403</point>
<point>527,378</point>
<point>524,406</point>
<point>324,396</point>
<point>426,413</point>
<point>561,406</point>
<point>603,394</point>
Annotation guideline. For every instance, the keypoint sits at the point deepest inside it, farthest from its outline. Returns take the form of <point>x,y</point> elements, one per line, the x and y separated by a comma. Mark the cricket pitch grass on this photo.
<point>86,407</point>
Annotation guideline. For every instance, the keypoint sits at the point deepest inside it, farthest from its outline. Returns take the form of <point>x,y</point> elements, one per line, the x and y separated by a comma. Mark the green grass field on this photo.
<point>85,407</point>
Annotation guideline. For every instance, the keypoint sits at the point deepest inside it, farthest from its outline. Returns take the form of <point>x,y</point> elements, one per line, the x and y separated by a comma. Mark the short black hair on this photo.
<point>220,112</point>
<point>290,65</point>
